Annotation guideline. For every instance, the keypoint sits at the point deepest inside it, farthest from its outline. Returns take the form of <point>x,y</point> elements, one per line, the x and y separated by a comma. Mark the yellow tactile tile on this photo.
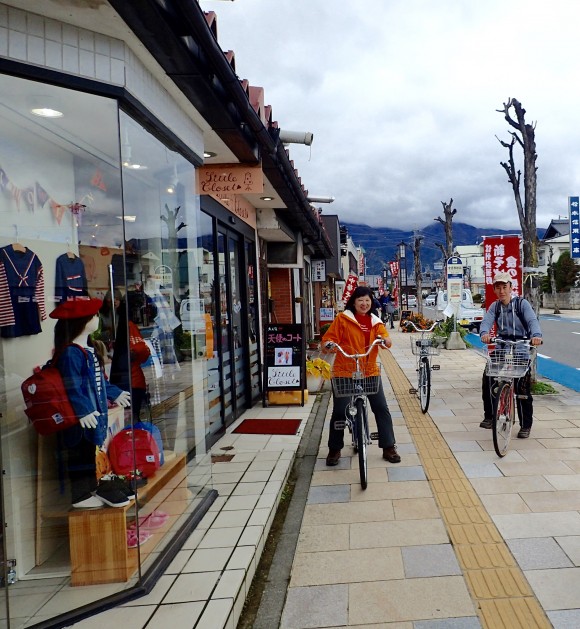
<point>502,595</point>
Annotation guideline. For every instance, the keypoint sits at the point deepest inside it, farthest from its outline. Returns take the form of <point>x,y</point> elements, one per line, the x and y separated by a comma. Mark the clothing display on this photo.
<point>22,304</point>
<point>70,278</point>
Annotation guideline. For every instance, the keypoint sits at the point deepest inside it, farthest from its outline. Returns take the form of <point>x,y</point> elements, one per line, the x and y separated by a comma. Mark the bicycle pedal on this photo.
<point>436,367</point>
<point>340,425</point>
<point>413,391</point>
<point>374,436</point>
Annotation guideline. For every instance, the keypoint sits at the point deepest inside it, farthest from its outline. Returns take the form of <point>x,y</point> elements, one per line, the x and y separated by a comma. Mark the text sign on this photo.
<point>229,179</point>
<point>573,207</point>
<point>284,353</point>
<point>454,280</point>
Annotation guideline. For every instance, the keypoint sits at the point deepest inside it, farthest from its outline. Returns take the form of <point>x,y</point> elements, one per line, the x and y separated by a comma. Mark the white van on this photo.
<point>466,299</point>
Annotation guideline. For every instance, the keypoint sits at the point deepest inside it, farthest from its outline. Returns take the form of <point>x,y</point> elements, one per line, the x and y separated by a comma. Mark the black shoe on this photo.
<point>111,495</point>
<point>524,433</point>
<point>119,483</point>
<point>486,423</point>
<point>333,458</point>
<point>391,455</point>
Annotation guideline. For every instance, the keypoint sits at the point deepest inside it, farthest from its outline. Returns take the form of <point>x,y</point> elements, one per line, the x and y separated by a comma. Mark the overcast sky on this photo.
<point>401,96</point>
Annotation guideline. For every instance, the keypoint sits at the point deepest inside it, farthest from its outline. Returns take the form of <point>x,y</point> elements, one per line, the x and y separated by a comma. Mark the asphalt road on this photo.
<point>561,339</point>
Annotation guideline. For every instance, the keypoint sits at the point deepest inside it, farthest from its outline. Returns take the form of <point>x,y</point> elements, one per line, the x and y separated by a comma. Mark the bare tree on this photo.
<point>524,137</point>
<point>449,212</point>
<point>416,249</point>
<point>552,272</point>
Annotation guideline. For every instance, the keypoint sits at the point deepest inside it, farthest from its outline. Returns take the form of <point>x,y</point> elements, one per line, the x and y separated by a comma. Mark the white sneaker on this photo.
<point>92,502</point>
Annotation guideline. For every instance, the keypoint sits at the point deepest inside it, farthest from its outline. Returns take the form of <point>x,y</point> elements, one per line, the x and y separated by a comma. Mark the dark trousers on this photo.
<point>82,470</point>
<point>524,405</point>
<point>382,416</point>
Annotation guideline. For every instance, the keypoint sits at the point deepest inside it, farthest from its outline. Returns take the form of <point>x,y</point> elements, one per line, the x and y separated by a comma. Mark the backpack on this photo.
<point>145,456</point>
<point>152,428</point>
<point>517,311</point>
<point>47,405</point>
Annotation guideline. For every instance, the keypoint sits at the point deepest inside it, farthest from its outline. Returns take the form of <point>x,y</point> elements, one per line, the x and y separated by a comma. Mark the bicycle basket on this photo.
<point>507,362</point>
<point>357,384</point>
<point>425,344</point>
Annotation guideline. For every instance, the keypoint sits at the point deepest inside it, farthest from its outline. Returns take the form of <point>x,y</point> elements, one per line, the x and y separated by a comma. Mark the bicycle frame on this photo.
<point>357,388</point>
<point>424,348</point>
<point>504,366</point>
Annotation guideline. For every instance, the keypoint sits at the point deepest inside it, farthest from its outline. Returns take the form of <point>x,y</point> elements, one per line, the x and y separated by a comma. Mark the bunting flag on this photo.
<point>41,195</point>
<point>98,181</point>
<point>3,179</point>
<point>57,210</point>
<point>28,198</point>
<point>16,194</point>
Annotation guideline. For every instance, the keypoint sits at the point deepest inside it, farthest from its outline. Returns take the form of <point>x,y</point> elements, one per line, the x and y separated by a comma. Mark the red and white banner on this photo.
<point>394,266</point>
<point>501,254</point>
<point>351,284</point>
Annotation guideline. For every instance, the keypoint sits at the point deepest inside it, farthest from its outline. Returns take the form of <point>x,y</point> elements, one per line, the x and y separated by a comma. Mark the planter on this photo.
<point>314,383</point>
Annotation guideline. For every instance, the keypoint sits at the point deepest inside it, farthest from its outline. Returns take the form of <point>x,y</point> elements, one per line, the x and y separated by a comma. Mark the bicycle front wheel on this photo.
<point>424,384</point>
<point>361,438</point>
<point>504,418</point>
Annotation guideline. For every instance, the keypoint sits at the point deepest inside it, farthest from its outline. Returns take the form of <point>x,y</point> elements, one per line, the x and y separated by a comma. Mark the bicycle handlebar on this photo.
<point>498,339</point>
<point>435,323</point>
<point>332,345</point>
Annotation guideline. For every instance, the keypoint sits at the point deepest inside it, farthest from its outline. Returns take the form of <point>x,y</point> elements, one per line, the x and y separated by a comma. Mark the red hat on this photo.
<point>76,308</point>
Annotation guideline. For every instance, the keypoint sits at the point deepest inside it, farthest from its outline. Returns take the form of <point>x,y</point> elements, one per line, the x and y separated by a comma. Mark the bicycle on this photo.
<point>357,387</point>
<point>424,348</point>
<point>505,364</point>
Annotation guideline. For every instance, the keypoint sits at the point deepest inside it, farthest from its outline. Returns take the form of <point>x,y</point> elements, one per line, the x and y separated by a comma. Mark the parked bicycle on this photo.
<point>506,361</point>
<point>424,347</point>
<point>357,388</point>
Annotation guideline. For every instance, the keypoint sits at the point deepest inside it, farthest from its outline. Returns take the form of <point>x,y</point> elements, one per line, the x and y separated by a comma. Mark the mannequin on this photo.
<point>88,391</point>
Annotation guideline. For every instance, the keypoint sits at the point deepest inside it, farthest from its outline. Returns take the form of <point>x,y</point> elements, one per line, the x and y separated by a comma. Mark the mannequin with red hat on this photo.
<point>88,391</point>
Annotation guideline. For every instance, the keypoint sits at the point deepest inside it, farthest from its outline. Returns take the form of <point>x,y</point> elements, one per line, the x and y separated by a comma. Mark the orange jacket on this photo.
<point>346,332</point>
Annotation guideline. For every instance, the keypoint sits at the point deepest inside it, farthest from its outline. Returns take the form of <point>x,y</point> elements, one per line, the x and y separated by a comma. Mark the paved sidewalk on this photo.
<point>452,536</point>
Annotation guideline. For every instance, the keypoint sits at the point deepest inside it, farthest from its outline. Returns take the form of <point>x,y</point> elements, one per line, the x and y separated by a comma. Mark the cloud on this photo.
<point>402,98</point>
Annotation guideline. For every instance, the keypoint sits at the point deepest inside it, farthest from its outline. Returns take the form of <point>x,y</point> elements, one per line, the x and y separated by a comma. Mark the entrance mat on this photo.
<point>268,427</point>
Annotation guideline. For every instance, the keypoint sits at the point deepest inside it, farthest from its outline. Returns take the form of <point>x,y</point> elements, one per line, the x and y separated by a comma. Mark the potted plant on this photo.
<point>317,370</point>
<point>313,344</point>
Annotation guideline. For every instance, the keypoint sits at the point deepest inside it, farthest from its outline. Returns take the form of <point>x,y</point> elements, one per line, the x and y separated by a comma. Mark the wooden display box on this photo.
<point>286,398</point>
<point>98,537</point>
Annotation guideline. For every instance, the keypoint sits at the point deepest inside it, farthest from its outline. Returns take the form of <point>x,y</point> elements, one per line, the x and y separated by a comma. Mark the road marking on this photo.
<point>543,356</point>
<point>575,332</point>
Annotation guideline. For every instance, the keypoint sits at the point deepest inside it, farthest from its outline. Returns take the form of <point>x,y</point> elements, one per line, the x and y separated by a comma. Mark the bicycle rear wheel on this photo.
<point>504,419</point>
<point>361,437</point>
<point>424,384</point>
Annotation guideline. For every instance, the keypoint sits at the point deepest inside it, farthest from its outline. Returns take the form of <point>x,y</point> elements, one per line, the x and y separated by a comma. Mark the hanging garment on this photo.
<point>70,278</point>
<point>24,305</point>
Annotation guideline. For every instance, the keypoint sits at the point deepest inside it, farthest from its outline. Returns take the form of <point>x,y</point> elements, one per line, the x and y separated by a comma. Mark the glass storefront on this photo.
<point>93,205</point>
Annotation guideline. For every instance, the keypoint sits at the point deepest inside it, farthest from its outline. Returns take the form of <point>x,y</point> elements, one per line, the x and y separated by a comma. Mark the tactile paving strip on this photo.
<point>503,596</point>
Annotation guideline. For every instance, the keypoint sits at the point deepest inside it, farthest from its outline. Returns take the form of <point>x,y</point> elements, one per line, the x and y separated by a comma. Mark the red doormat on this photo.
<point>268,427</point>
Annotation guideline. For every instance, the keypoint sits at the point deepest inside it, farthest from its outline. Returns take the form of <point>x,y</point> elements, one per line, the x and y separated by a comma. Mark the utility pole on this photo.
<point>416,248</point>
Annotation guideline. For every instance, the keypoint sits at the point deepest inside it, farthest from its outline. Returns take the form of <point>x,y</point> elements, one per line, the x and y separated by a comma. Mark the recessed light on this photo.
<point>128,218</point>
<point>46,112</point>
<point>208,154</point>
<point>267,198</point>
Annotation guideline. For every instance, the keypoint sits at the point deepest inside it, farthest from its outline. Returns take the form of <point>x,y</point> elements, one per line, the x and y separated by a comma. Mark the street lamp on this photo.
<point>402,251</point>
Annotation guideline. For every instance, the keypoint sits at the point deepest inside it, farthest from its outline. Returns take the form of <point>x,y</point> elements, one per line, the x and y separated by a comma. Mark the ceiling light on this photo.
<point>208,154</point>
<point>267,198</point>
<point>128,218</point>
<point>46,112</point>
<point>132,166</point>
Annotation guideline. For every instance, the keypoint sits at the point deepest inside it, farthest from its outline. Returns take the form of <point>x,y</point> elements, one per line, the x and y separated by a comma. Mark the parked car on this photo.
<point>430,299</point>
<point>411,301</point>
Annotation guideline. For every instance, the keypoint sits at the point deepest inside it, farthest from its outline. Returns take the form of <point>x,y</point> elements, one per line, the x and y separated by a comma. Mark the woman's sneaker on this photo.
<point>119,483</point>
<point>486,423</point>
<point>108,491</point>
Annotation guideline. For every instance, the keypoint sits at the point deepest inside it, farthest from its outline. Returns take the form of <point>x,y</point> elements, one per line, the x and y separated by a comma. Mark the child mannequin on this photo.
<point>88,391</point>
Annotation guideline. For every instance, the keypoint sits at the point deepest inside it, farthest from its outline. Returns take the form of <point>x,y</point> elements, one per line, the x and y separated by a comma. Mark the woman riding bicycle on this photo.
<point>515,320</point>
<point>354,330</point>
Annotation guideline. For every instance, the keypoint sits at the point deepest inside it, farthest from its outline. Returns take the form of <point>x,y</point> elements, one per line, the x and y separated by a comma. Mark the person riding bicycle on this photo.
<point>515,319</point>
<point>387,307</point>
<point>354,330</point>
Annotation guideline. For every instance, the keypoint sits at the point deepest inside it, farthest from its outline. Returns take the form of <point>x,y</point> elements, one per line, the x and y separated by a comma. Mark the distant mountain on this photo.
<point>381,243</point>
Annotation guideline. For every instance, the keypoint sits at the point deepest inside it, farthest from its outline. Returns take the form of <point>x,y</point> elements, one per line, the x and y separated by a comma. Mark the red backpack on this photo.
<point>47,404</point>
<point>146,457</point>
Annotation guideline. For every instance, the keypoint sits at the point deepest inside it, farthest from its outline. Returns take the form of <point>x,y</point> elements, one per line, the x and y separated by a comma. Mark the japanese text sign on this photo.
<point>573,207</point>
<point>501,254</point>
<point>284,354</point>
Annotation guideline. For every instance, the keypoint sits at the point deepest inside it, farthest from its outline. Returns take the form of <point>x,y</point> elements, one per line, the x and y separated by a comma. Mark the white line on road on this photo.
<point>543,356</point>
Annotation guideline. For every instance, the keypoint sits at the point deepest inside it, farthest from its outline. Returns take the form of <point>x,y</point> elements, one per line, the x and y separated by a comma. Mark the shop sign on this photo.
<point>284,352</point>
<point>237,205</point>
<point>501,254</point>
<point>454,280</point>
<point>573,207</point>
<point>327,314</point>
<point>230,179</point>
<point>319,271</point>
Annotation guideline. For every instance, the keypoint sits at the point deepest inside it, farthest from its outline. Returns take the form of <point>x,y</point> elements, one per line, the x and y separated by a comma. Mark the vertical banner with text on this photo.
<point>573,208</point>
<point>285,356</point>
<point>501,254</point>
